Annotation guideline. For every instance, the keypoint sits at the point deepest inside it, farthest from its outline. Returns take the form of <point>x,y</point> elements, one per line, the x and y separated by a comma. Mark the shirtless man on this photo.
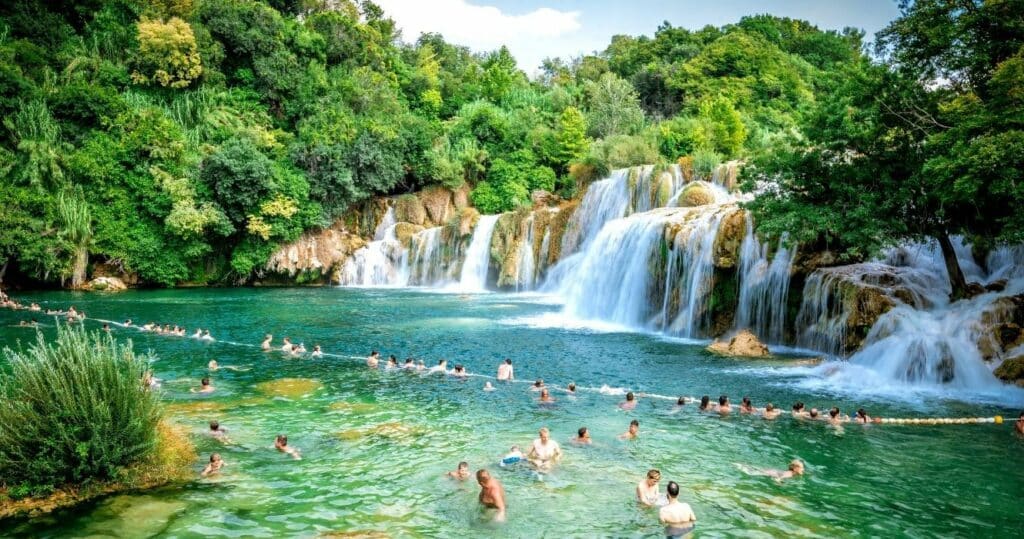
<point>647,489</point>
<point>835,417</point>
<point>677,517</point>
<point>286,347</point>
<point>723,405</point>
<point>460,372</point>
<point>770,412</point>
<point>545,397</point>
<point>492,494</point>
<point>204,386</point>
<point>461,472</point>
<point>317,352</point>
<point>505,371</point>
<point>441,367</point>
<point>798,410</point>
<point>219,433</point>
<point>632,432</point>
<point>265,345</point>
<point>629,403</point>
<point>544,452</point>
<point>538,385</point>
<point>373,359</point>
<point>281,444</point>
<point>216,463</point>
<point>582,437</point>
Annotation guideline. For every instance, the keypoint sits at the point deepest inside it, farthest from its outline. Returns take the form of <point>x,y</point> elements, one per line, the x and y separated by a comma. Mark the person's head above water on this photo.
<point>704,401</point>
<point>814,413</point>
<point>572,387</point>
<point>508,361</point>
<point>797,467</point>
<point>544,393</point>
<point>834,412</point>
<point>214,457</point>
<point>582,432</point>
<point>680,401</point>
<point>282,440</point>
<point>769,407</point>
<point>723,400</point>
<point>544,434</point>
<point>653,476</point>
<point>672,489</point>
<point>798,407</point>
<point>482,476</point>
<point>746,401</point>
<point>442,361</point>
<point>538,383</point>
<point>205,381</point>
<point>214,425</point>
<point>630,396</point>
<point>463,466</point>
<point>861,413</point>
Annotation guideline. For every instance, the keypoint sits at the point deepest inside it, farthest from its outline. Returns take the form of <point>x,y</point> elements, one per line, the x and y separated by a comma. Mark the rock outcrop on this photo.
<point>104,284</point>
<point>316,255</point>
<point>1002,327</point>
<point>1012,370</point>
<point>696,194</point>
<point>743,344</point>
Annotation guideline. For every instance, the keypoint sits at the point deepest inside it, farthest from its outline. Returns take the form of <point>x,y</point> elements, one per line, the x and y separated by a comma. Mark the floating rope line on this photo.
<point>998,420</point>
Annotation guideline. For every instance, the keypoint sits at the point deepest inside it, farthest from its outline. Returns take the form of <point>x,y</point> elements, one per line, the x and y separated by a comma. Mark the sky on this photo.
<point>536,29</point>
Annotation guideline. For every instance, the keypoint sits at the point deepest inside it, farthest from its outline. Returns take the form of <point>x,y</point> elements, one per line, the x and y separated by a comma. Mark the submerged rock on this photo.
<point>743,344</point>
<point>289,387</point>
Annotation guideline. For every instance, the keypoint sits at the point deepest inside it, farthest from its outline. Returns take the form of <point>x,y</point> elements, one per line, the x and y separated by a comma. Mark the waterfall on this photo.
<point>383,262</point>
<point>473,277</point>
<point>426,266</point>
<point>693,254</point>
<point>604,200</point>
<point>386,224</point>
<point>526,266</point>
<point>822,317</point>
<point>764,287</point>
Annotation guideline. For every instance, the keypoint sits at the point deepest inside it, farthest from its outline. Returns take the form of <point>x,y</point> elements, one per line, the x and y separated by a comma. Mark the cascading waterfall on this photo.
<point>526,268</point>
<point>604,200</point>
<point>383,262</point>
<point>473,277</point>
<point>692,253</point>
<point>426,263</point>
<point>386,224</point>
<point>764,287</point>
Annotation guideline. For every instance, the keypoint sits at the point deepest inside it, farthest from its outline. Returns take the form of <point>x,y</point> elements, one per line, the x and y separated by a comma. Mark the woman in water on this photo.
<point>863,417</point>
<point>746,407</point>
<point>705,404</point>
<point>647,489</point>
<point>582,437</point>
<point>265,345</point>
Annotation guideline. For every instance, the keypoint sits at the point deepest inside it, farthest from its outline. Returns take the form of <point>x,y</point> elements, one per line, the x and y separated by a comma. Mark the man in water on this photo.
<point>204,386</point>
<point>206,335</point>
<point>796,467</point>
<point>461,472</point>
<point>798,410</point>
<point>265,345</point>
<point>409,363</point>
<point>219,433</point>
<point>814,414</point>
<point>538,385</point>
<point>505,371</point>
<point>373,359</point>
<point>492,494</point>
<point>677,517</point>
<point>746,407</point>
<point>287,346</point>
<point>317,352</point>
<point>392,362</point>
<point>647,489</point>
<point>281,444</point>
<point>629,403</point>
<point>582,437</point>
<point>441,367</point>
<point>460,371</point>
<point>545,396</point>
<point>571,388</point>
<point>216,463</point>
<point>835,417</point>
<point>770,412</point>
<point>632,432</point>
<point>723,405</point>
<point>544,452</point>
<point>488,386</point>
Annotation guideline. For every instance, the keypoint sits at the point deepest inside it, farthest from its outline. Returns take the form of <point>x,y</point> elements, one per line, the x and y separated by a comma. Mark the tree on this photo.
<point>37,138</point>
<point>240,177</point>
<point>571,136</point>
<point>612,107</point>
<point>168,54</point>
<point>76,228</point>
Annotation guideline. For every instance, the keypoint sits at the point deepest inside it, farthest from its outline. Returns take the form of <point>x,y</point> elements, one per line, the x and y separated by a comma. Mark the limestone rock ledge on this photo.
<point>316,256</point>
<point>743,344</point>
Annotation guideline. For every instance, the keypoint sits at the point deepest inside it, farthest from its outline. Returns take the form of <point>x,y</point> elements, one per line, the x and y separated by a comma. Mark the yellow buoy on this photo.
<point>999,420</point>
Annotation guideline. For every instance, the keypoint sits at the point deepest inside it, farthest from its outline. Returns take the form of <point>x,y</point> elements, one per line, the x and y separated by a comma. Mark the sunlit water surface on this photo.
<point>376,444</point>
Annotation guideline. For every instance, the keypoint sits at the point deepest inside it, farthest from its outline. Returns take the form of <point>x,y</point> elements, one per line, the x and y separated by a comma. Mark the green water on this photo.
<point>376,444</point>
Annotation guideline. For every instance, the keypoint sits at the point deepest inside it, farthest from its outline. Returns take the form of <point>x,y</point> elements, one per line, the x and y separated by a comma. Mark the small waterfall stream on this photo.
<point>473,277</point>
<point>764,287</point>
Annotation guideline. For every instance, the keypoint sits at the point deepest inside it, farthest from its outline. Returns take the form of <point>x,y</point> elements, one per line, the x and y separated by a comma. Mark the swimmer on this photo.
<point>212,365</point>
<point>373,359</point>
<point>317,352</point>
<point>148,327</point>
<point>409,363</point>
<point>864,418</point>
<point>705,404</point>
<point>392,362</point>
<point>461,473</point>
<point>680,402</point>
<point>770,412</point>
<point>545,396</point>
<point>441,367</point>
<point>582,437</point>
<point>633,432</point>
<point>571,388</point>
<point>538,385</point>
<point>796,467</point>
<point>206,335</point>
<point>1019,424</point>
<point>629,403</point>
<point>505,371</point>
<point>492,494</point>
<point>488,386</point>
<point>287,346</point>
<point>216,463</point>
<point>295,351</point>
<point>34,307</point>
<point>514,456</point>
<point>301,348</point>
<point>106,327</point>
<point>647,489</point>
<point>265,345</point>
<point>128,323</point>
<point>814,414</point>
<point>544,452</point>
<point>420,366</point>
<point>460,371</point>
<point>281,444</point>
<point>798,410</point>
<point>204,386</point>
<point>723,405</point>
<point>677,517</point>
<point>835,417</point>
<point>746,407</point>
<point>198,334</point>
<point>219,433</point>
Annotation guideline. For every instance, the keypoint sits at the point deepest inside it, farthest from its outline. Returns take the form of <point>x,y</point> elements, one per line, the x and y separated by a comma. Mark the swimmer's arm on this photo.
<point>499,504</point>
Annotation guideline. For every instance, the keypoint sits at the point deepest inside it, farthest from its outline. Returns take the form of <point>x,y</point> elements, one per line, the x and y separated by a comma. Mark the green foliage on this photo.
<point>74,411</point>
<point>168,54</point>
<point>612,107</point>
<point>240,177</point>
<point>570,136</point>
<point>621,151</point>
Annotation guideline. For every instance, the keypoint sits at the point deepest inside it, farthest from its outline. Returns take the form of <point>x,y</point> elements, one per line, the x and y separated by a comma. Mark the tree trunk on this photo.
<point>81,263</point>
<point>957,283</point>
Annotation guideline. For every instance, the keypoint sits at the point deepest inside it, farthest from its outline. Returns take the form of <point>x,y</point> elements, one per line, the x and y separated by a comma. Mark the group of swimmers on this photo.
<point>289,348</point>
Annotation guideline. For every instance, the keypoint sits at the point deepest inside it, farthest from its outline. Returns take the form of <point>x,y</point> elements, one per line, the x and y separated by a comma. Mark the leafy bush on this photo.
<point>74,411</point>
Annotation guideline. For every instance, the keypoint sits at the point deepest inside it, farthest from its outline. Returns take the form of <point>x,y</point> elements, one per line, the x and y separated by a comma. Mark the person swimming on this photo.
<point>198,334</point>
<point>798,410</point>
<point>835,417</point>
<point>206,336</point>
<point>441,367</point>
<point>316,351</point>
<point>212,365</point>
<point>421,366</point>
<point>106,327</point>
<point>724,407</point>
<point>571,388</point>
<point>814,414</point>
<point>746,407</point>
<point>582,437</point>
<point>514,456</point>
<point>538,385</point>
<point>461,472</point>
<point>128,323</point>
<point>488,386</point>
<point>296,351</point>
<point>796,467</point>
<point>281,444</point>
<point>863,417</point>
<point>629,403</point>
<point>409,363</point>
<point>705,404</point>
<point>149,381</point>
<point>632,432</point>
<point>505,371</point>
<point>216,463</point>
<point>544,451</point>
<point>492,494</point>
<point>770,412</point>
<point>545,396</point>
<point>204,386</point>
<point>218,432</point>
<point>286,345</point>
<point>392,362</point>
<point>647,488</point>
<point>373,359</point>
<point>677,517</point>
<point>265,345</point>
<point>459,371</point>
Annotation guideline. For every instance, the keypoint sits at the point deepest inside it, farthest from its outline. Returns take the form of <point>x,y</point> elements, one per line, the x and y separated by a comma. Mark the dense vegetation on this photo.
<point>183,140</point>
<point>72,412</point>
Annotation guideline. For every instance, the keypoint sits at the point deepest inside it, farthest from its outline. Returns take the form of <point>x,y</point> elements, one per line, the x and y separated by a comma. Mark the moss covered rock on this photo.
<point>405,231</point>
<point>410,209</point>
<point>729,239</point>
<point>438,203</point>
<point>696,194</point>
<point>743,344</point>
<point>663,189</point>
<point>1012,370</point>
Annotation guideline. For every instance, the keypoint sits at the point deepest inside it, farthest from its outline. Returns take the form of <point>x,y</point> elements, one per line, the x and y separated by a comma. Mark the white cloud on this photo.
<point>483,28</point>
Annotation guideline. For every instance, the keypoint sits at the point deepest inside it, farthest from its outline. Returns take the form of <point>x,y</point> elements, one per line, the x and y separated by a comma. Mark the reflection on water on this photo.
<point>376,445</point>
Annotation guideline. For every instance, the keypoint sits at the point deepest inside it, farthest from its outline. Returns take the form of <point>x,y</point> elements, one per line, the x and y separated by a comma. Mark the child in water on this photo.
<point>216,463</point>
<point>514,456</point>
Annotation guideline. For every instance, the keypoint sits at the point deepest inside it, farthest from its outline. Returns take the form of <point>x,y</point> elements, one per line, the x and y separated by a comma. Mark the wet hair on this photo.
<point>681,401</point>
<point>630,396</point>
<point>572,387</point>
<point>769,407</point>
<point>704,402</point>
<point>653,474</point>
<point>441,361</point>
<point>372,352</point>
<point>581,432</point>
<point>746,401</point>
<point>722,400</point>
<point>799,406</point>
<point>458,367</point>
<point>508,361</point>
<point>463,464</point>
<point>634,422</point>
<point>481,473</point>
<point>538,383</point>
<point>205,381</point>
<point>861,413</point>
<point>214,457</point>
<point>673,489</point>
<point>814,412</point>
<point>834,412</point>
<point>214,425</point>
<point>282,439</point>
<point>796,463</point>
<point>392,357</point>
<point>408,360</point>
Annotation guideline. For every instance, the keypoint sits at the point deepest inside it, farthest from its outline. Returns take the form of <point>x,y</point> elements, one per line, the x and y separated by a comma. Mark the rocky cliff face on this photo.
<point>316,256</point>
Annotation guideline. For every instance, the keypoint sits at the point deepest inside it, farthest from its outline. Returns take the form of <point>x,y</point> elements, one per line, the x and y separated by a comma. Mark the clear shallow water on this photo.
<point>376,444</point>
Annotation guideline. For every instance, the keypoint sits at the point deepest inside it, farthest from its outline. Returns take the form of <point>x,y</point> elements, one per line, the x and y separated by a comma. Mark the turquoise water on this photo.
<point>376,444</point>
